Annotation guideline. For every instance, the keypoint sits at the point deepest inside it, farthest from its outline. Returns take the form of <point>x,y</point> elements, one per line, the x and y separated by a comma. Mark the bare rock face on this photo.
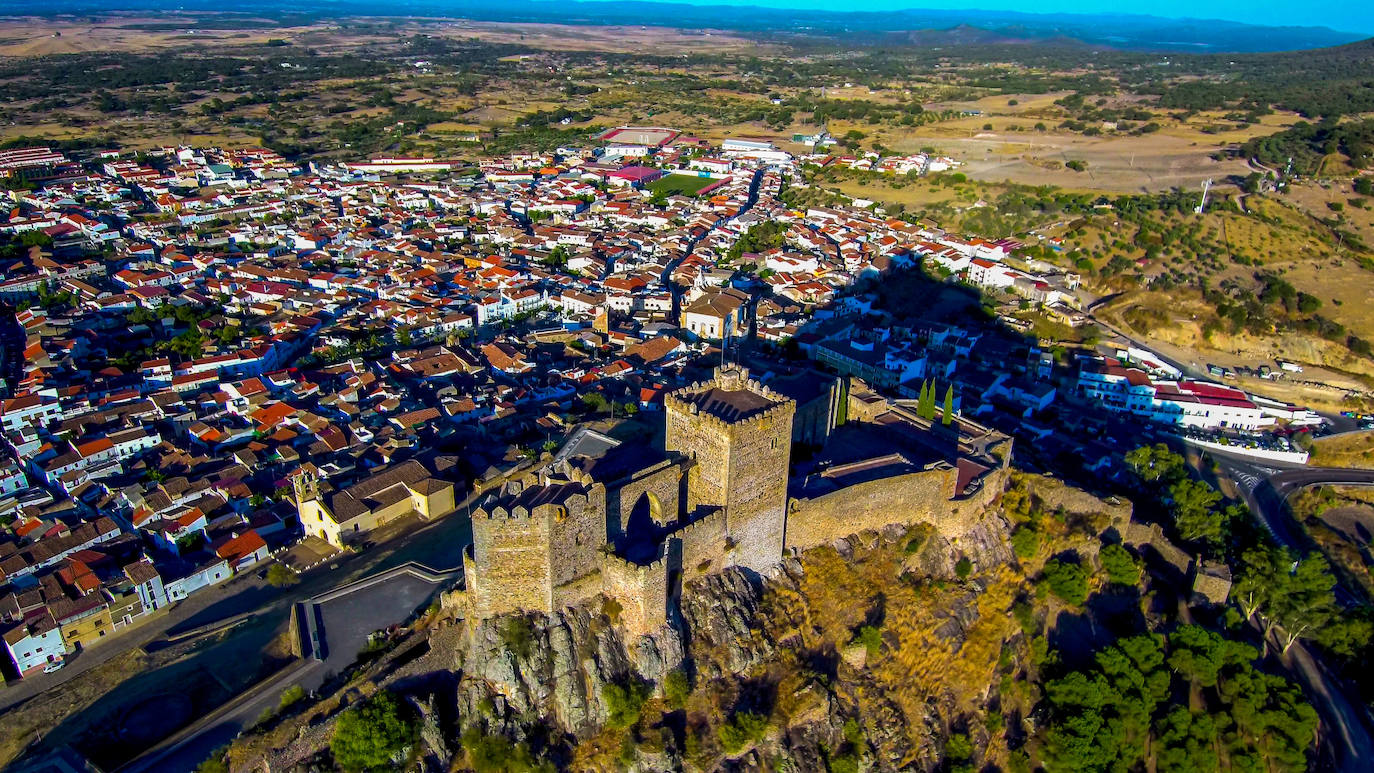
<point>722,620</point>
<point>556,667</point>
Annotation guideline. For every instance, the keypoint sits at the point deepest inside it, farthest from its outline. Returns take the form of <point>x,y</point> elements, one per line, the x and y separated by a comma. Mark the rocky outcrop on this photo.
<point>556,667</point>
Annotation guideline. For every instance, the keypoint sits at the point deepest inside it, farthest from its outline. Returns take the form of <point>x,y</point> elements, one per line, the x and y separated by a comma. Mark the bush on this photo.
<point>676,688</point>
<point>1068,582</point>
<point>958,748</point>
<point>291,696</point>
<point>1120,565</point>
<point>1025,543</point>
<point>369,736</point>
<point>963,568</point>
<point>744,729</point>
<point>624,703</point>
<point>282,576</point>
<point>498,754</point>
<point>215,763</point>
<point>517,635</point>
<point>872,639</point>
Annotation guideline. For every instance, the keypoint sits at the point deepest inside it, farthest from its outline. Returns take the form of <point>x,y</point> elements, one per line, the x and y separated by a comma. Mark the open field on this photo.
<point>683,184</point>
<point>1349,450</point>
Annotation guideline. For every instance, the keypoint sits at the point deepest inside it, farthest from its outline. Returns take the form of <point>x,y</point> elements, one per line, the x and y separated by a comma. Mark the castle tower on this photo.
<point>535,545</point>
<point>739,435</point>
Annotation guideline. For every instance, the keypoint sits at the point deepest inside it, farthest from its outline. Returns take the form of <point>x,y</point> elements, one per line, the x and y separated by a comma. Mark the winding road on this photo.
<point>1266,487</point>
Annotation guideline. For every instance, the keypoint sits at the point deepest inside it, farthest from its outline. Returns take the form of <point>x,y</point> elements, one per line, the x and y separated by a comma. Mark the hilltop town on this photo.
<point>218,353</point>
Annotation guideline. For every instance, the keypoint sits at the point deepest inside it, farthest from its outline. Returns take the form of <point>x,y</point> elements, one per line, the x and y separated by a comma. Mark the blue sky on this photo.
<point>1345,15</point>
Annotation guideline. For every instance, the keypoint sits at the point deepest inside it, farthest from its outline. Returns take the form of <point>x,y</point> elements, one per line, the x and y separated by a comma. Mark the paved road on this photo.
<point>1266,488</point>
<point>347,621</point>
<point>239,595</point>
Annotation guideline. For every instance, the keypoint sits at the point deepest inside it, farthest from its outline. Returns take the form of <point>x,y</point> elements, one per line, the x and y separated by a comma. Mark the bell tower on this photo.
<point>306,483</point>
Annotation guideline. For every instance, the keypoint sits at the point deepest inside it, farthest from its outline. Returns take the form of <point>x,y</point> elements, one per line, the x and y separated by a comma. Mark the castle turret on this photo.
<point>739,435</point>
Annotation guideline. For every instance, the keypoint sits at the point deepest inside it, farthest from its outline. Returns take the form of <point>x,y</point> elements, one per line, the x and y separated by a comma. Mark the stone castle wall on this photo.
<point>756,507</point>
<point>640,590</point>
<point>576,535</point>
<point>513,557</point>
<point>705,439</point>
<point>920,497</point>
<point>655,493</point>
<point>702,545</point>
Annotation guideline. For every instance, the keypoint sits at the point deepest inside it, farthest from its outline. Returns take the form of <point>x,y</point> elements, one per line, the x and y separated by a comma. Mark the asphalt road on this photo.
<point>347,623</point>
<point>1266,488</point>
<point>437,544</point>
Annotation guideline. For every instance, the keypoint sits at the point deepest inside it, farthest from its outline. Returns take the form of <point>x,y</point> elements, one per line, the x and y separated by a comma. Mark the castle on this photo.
<point>633,524</point>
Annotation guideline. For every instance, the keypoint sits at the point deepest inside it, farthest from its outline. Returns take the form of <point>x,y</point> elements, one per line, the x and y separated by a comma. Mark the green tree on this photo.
<point>676,688</point>
<point>624,702</point>
<point>373,735</point>
<point>1155,463</point>
<point>947,415</point>
<point>744,729</point>
<point>1120,565</point>
<point>282,576</point>
<point>1193,505</point>
<point>1025,542</point>
<point>1067,581</point>
<point>963,568</point>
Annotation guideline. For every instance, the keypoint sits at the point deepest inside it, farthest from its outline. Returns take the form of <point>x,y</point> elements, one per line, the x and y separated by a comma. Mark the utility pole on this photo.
<point>1206,185</point>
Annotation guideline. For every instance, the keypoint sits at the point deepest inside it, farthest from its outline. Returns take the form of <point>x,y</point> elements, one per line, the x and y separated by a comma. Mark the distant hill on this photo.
<point>914,27</point>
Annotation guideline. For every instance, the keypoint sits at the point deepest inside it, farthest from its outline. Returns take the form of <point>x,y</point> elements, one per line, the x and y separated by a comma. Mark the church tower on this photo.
<point>739,436</point>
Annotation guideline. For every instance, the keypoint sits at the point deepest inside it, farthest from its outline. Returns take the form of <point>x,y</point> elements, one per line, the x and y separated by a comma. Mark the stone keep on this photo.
<point>738,434</point>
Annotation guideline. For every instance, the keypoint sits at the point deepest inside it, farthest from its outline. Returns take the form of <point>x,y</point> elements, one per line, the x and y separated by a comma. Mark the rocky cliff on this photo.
<point>870,653</point>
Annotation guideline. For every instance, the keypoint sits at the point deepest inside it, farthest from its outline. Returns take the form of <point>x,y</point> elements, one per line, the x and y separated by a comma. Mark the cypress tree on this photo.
<point>948,414</point>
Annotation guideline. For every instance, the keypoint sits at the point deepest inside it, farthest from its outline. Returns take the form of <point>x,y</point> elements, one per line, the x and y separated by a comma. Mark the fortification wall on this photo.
<point>641,592</point>
<point>654,494</point>
<point>585,587</point>
<point>920,497</point>
<point>1054,494</point>
<point>576,535</point>
<point>706,440</point>
<point>703,545</point>
<point>512,563</point>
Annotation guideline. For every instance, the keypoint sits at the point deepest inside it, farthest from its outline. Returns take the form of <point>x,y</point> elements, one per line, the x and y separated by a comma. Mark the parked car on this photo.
<point>55,665</point>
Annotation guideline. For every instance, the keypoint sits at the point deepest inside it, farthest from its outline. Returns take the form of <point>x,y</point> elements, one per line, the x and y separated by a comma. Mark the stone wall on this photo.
<point>702,542</point>
<point>920,497</point>
<point>654,494</point>
<point>706,440</point>
<point>756,506</point>
<point>640,590</point>
<point>576,535</point>
<point>512,562</point>
<point>1054,494</point>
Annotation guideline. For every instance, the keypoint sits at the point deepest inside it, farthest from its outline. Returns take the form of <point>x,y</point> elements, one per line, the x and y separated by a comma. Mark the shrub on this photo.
<point>676,688</point>
<point>291,696</point>
<point>1068,582</point>
<point>744,729</point>
<point>963,568</point>
<point>624,703</point>
<point>282,576</point>
<point>872,639</point>
<point>498,754</point>
<point>372,734</point>
<point>215,763</point>
<point>517,635</point>
<point>958,748</point>
<point>1025,543</point>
